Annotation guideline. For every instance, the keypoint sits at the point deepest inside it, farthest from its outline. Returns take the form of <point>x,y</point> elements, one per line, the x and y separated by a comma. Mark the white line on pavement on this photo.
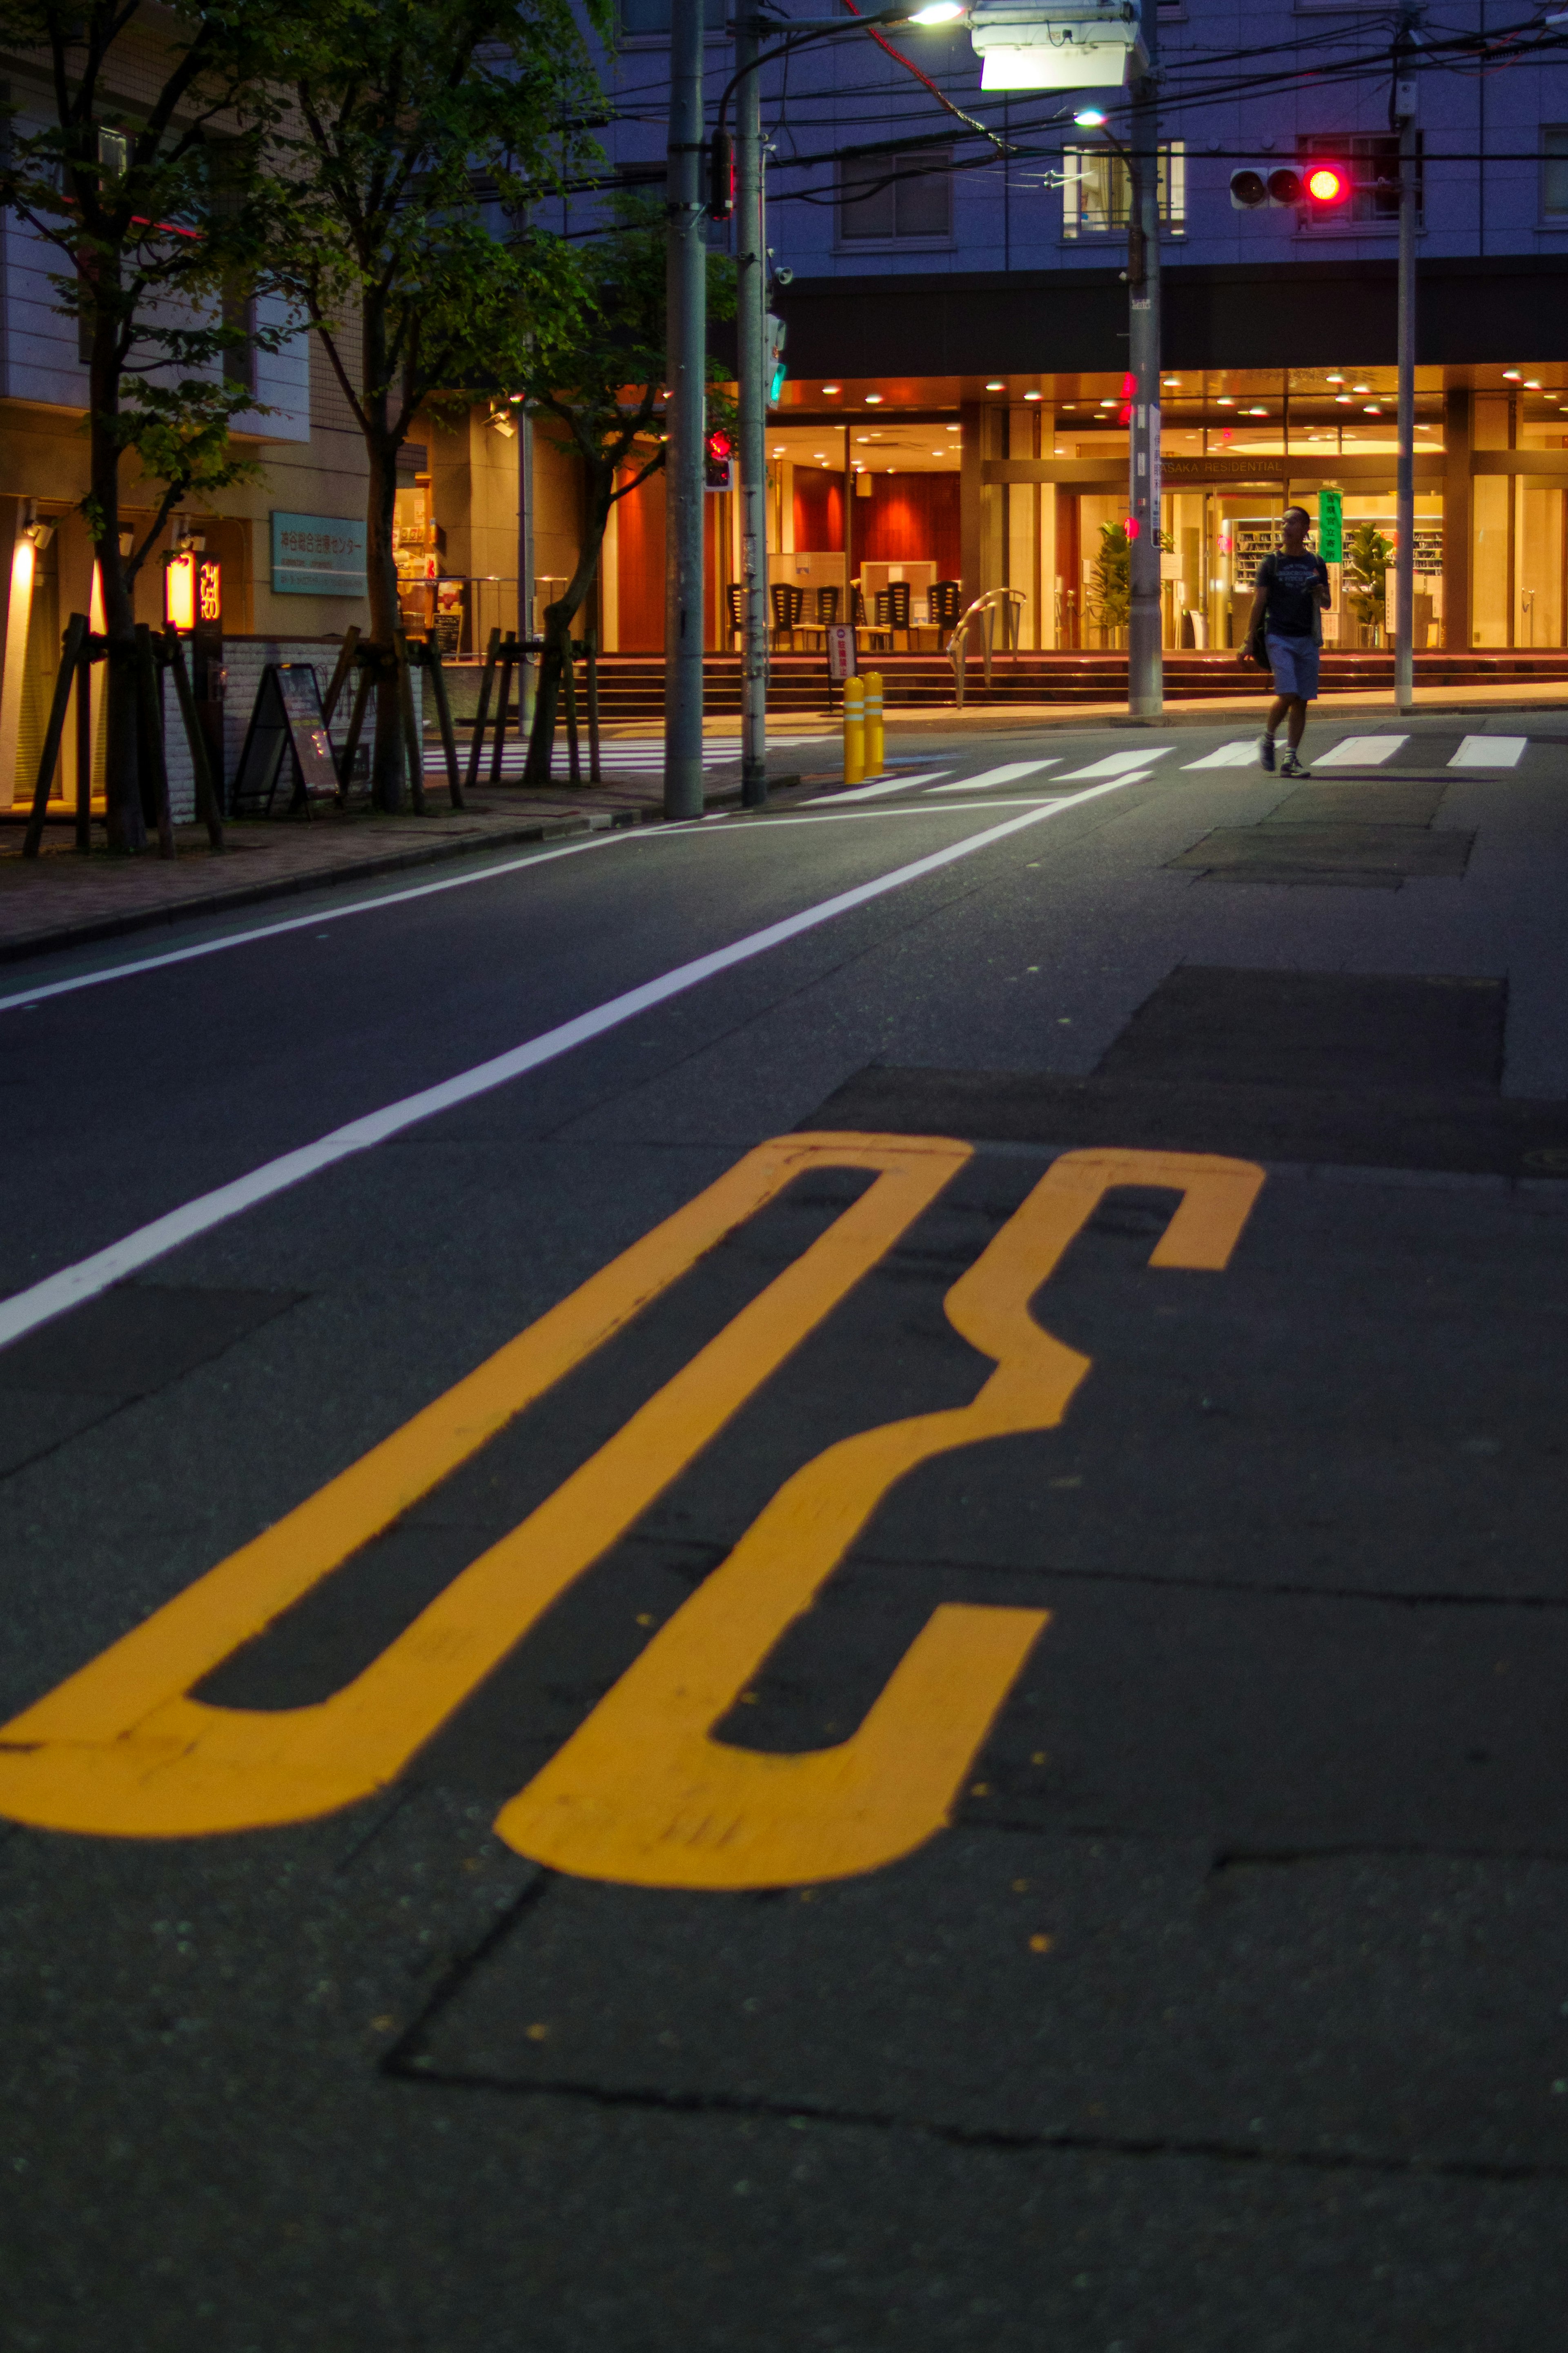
<point>1488,751</point>
<point>321,916</point>
<point>1115,762</point>
<point>1359,751</point>
<point>873,792</point>
<point>1242,754</point>
<point>25,1310</point>
<point>998,775</point>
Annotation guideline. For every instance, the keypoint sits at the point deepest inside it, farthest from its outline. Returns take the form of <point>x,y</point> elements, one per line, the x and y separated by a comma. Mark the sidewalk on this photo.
<point>64,900</point>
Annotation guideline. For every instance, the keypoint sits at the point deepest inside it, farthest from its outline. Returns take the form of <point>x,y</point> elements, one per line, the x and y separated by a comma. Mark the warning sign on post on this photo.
<point>840,639</point>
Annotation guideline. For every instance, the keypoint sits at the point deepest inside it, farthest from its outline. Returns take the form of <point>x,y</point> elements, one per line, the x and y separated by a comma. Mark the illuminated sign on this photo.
<point>193,591</point>
<point>317,555</point>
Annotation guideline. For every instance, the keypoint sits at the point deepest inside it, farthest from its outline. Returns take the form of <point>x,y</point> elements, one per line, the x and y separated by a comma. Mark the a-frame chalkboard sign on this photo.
<point>287,724</point>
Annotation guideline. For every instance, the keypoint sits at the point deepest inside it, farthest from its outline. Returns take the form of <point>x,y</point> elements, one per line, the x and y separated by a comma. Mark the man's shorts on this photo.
<point>1294,661</point>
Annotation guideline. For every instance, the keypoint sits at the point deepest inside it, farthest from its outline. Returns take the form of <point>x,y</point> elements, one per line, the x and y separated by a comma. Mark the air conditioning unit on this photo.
<point>1062,44</point>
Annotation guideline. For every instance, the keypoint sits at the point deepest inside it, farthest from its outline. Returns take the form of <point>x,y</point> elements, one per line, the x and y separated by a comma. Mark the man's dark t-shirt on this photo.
<point>1289,581</point>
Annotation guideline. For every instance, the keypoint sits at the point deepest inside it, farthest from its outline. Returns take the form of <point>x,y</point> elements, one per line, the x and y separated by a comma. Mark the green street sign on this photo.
<point>1331,526</point>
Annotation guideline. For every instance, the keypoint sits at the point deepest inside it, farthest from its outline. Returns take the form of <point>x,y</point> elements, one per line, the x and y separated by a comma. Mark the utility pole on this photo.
<point>751,303</point>
<point>1145,660</point>
<point>1402,115</point>
<point>686,309</point>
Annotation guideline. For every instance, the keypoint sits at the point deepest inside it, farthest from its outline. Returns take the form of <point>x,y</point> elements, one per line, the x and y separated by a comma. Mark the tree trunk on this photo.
<point>386,772</point>
<point>122,780</point>
<point>558,621</point>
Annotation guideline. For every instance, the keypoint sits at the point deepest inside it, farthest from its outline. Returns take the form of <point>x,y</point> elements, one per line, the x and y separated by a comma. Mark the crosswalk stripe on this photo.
<point>1359,751</point>
<point>875,791</point>
<point>1006,775</point>
<point>1243,755</point>
<point>1116,764</point>
<point>1488,751</point>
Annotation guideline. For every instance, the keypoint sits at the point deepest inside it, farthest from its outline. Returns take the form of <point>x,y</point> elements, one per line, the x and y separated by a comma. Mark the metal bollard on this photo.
<point>874,742</point>
<point>854,731</point>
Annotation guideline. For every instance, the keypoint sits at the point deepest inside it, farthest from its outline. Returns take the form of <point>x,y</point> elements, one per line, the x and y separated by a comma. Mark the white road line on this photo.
<point>874,792</point>
<point>1359,751</point>
<point>998,775</point>
<point>321,916</point>
<point>1115,762</point>
<point>1488,751</point>
<point>1229,755</point>
<point>25,1310</point>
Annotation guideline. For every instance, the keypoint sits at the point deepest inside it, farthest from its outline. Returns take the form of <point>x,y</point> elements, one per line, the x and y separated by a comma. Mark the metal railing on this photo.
<point>1010,603</point>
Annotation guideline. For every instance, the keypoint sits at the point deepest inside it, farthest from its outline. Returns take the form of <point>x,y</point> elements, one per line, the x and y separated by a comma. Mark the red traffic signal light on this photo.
<point>1328,183</point>
<point>718,460</point>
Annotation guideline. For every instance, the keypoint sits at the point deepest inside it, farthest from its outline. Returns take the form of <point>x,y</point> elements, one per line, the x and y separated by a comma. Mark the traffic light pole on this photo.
<point>750,312</point>
<point>1403,109</point>
<point>686,285</point>
<point>1145,660</point>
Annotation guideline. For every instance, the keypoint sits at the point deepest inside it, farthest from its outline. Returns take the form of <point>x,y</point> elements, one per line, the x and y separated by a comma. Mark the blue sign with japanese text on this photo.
<point>317,556</point>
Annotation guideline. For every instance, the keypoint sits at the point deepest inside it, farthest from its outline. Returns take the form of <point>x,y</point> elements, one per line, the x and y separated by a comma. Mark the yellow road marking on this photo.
<point>642,1793</point>
<point>122,1749</point>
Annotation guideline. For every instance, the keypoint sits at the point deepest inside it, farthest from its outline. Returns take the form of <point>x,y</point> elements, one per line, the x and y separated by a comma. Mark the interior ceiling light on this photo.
<point>1257,412</point>
<point>1334,379</point>
<point>954,428</point>
<point>1108,403</point>
<point>996,385</point>
<point>1031,396</point>
<point>1343,400</point>
<point>1224,401</point>
<point>831,388</point>
<point>873,400</point>
<point>1510,375</point>
<point>1532,384</point>
<point>1372,409</point>
<point>1361,387</point>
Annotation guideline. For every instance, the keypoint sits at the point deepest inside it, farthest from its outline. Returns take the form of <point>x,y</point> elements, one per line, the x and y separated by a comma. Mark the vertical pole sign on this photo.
<point>687,293</point>
<point>1146,666</point>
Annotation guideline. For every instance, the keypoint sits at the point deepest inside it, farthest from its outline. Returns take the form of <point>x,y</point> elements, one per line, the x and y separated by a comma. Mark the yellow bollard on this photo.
<point>874,745</point>
<point>854,731</point>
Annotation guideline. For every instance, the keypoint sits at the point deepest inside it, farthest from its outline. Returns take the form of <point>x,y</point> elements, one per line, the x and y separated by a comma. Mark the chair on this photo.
<point>827,607</point>
<point>897,592</point>
<point>735,597</point>
<point>944,602</point>
<point>787,603</point>
<point>873,628</point>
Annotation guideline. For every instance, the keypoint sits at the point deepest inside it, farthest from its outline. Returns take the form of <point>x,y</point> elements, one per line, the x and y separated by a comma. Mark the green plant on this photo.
<point>1366,561</point>
<point>1109,596</point>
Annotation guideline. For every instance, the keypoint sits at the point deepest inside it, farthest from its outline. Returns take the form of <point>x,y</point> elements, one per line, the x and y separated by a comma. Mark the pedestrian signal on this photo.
<point>774,369</point>
<point>721,177</point>
<point>718,460</point>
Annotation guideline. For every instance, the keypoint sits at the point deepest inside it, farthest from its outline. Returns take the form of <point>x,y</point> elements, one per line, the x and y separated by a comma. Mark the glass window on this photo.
<point>1555,167</point>
<point>649,19</point>
<point>1374,170</point>
<point>1097,194</point>
<point>887,197</point>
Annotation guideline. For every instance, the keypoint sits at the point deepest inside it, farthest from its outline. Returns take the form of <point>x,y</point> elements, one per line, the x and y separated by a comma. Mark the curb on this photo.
<point>288,886</point>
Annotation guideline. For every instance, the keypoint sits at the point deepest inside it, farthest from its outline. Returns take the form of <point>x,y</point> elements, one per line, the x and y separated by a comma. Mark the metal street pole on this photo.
<point>752,303</point>
<point>1404,112</point>
<point>687,326</point>
<point>1145,662</point>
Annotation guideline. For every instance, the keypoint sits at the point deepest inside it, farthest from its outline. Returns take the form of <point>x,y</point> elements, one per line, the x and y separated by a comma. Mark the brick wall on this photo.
<point>245,659</point>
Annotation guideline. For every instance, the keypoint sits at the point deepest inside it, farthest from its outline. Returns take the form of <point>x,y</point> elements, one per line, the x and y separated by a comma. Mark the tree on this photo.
<point>419,123</point>
<point>600,377</point>
<point>158,213</point>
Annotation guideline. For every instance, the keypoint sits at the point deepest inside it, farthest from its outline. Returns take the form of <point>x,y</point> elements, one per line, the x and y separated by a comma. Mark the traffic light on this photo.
<point>1328,185</point>
<point>1250,191</point>
<point>773,370</point>
<point>721,177</point>
<point>718,461</point>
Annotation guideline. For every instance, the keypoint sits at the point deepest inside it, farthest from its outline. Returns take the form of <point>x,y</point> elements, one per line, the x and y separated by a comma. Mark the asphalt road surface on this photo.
<point>799,1583</point>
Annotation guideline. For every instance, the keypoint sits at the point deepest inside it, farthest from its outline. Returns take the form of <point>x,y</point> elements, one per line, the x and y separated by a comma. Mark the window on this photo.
<point>1375,168</point>
<point>649,20</point>
<point>1554,170</point>
<point>1098,192</point>
<point>885,197</point>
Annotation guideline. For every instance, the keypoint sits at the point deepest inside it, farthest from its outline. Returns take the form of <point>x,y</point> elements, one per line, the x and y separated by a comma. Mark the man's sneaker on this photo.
<point>1290,766</point>
<point>1266,753</point>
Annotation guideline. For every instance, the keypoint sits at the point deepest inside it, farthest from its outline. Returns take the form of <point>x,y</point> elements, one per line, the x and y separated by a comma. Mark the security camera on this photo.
<point>784,277</point>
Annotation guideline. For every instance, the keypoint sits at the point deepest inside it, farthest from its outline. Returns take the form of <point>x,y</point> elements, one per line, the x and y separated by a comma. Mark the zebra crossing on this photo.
<point>1500,752</point>
<point>628,758</point>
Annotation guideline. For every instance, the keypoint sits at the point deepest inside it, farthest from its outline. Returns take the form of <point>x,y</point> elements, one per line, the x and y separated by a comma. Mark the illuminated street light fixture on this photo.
<point>1055,44</point>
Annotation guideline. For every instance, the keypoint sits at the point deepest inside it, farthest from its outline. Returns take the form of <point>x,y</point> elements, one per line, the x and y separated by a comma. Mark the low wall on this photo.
<point>244,660</point>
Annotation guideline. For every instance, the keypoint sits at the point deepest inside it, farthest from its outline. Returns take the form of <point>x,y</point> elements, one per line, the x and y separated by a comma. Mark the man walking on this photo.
<point>1284,630</point>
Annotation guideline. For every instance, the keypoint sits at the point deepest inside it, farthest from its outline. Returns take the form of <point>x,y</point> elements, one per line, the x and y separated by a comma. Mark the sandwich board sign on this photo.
<point>287,724</point>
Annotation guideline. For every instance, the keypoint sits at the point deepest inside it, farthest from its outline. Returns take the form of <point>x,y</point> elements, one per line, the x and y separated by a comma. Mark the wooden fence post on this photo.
<point>76,632</point>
